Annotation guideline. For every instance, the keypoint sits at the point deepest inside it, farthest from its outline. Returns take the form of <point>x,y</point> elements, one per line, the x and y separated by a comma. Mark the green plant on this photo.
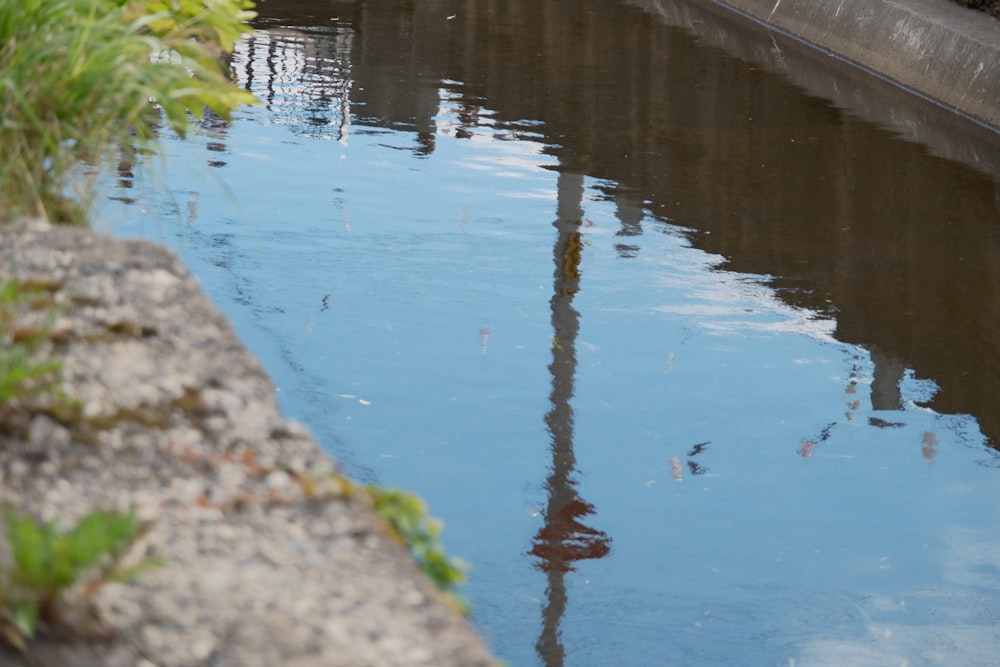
<point>48,563</point>
<point>22,376</point>
<point>81,80</point>
<point>407,516</point>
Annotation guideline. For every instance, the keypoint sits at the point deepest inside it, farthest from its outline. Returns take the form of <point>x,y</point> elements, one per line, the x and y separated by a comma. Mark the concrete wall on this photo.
<point>934,47</point>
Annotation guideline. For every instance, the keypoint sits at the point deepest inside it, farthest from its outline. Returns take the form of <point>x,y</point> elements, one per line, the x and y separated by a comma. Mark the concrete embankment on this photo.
<point>938,49</point>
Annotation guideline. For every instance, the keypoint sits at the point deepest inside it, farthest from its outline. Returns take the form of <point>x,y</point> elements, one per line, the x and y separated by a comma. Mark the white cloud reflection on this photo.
<point>894,632</point>
<point>723,302</point>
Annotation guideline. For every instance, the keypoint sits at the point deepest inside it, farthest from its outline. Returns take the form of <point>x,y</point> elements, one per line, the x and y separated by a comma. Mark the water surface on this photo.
<point>698,367</point>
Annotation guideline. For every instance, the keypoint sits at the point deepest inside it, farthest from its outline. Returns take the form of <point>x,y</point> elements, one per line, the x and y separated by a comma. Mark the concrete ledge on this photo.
<point>934,47</point>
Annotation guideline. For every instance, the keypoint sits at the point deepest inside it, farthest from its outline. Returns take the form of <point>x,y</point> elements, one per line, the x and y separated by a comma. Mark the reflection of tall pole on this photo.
<point>564,538</point>
<point>631,214</point>
<point>886,392</point>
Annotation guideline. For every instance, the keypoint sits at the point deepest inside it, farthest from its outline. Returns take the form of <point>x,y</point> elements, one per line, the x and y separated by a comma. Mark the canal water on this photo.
<point>689,336</point>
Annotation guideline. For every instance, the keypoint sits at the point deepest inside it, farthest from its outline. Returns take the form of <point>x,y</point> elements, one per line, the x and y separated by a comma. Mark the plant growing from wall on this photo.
<point>81,80</point>
<point>23,376</point>
<point>410,523</point>
<point>53,573</point>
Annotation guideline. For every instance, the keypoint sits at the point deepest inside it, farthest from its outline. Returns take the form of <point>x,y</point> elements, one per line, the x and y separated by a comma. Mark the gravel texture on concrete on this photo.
<point>271,557</point>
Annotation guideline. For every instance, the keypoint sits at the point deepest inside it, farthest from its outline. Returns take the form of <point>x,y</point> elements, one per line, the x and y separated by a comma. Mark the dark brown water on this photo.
<point>689,335</point>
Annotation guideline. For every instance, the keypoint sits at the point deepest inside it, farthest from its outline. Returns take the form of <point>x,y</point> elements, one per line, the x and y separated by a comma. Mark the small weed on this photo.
<point>25,377</point>
<point>49,564</point>
<point>407,516</point>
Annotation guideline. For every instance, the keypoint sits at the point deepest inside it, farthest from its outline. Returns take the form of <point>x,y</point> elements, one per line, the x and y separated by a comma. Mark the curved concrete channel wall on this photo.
<point>948,132</point>
<point>934,47</point>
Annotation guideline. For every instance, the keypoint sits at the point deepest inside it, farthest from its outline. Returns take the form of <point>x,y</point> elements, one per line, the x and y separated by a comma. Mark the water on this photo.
<point>698,366</point>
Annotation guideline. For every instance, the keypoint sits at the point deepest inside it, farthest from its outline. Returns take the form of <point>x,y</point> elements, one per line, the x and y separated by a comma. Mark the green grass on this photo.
<point>82,80</point>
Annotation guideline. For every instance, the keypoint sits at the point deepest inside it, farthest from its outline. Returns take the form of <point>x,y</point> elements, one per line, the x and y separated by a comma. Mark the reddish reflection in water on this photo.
<point>565,538</point>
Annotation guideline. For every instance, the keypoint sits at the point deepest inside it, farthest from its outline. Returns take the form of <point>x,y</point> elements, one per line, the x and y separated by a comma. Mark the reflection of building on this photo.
<point>303,78</point>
